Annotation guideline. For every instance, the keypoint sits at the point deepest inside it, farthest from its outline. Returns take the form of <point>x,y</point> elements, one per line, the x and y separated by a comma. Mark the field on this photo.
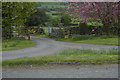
<point>16,43</point>
<point>51,5</point>
<point>101,40</point>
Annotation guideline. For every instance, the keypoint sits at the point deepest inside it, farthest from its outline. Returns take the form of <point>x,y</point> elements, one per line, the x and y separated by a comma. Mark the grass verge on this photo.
<point>74,55</point>
<point>16,43</point>
<point>100,40</point>
<point>89,39</point>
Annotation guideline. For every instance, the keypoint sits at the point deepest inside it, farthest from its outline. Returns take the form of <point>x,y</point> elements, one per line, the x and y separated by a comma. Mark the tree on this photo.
<point>104,12</point>
<point>38,18</point>
<point>66,20</point>
<point>55,22</point>
<point>14,14</point>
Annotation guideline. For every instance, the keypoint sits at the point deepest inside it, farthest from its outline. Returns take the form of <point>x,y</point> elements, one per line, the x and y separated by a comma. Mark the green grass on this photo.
<point>89,23</point>
<point>74,55</point>
<point>51,5</point>
<point>51,14</point>
<point>100,40</point>
<point>16,43</point>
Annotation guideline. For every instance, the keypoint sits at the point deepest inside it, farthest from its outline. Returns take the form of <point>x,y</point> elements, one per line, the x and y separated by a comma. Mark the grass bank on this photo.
<point>89,39</point>
<point>75,55</point>
<point>16,43</point>
<point>100,40</point>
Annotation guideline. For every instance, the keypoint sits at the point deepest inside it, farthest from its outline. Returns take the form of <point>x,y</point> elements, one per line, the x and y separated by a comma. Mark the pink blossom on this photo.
<point>70,14</point>
<point>101,12</point>
<point>76,10</point>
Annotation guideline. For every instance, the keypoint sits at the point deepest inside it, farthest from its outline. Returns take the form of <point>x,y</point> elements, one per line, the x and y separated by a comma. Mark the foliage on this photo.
<point>31,31</point>
<point>55,21</point>
<point>15,14</point>
<point>66,20</point>
<point>57,33</point>
<point>38,18</point>
<point>103,12</point>
<point>48,30</point>
<point>39,30</point>
<point>84,29</point>
<point>88,37</point>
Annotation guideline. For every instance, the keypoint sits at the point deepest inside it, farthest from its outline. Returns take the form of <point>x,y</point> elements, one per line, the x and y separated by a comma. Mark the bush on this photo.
<point>36,30</point>
<point>38,18</point>
<point>86,37</point>
<point>84,29</point>
<point>31,31</point>
<point>66,20</point>
<point>58,33</point>
<point>55,22</point>
<point>39,30</point>
<point>74,30</point>
<point>7,33</point>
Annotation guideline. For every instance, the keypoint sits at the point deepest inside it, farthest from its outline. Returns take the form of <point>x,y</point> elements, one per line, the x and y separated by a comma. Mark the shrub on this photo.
<point>66,20</point>
<point>31,31</point>
<point>55,22</point>
<point>39,30</point>
<point>84,29</point>
<point>58,33</point>
<point>86,37</point>
<point>38,18</point>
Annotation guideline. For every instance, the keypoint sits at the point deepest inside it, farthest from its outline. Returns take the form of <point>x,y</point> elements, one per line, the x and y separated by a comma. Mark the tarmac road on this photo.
<point>46,46</point>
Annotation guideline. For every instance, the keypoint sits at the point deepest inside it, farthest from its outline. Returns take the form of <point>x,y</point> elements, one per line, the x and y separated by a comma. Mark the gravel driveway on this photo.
<point>63,71</point>
<point>47,46</point>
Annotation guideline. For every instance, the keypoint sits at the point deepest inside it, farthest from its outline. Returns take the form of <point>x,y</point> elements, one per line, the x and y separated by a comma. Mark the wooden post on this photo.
<point>26,37</point>
<point>66,36</point>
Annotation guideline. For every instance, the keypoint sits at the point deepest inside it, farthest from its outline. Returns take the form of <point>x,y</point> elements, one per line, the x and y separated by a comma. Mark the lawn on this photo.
<point>100,40</point>
<point>71,55</point>
<point>16,43</point>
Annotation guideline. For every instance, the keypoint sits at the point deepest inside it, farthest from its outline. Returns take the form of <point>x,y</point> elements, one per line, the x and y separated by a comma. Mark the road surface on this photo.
<point>47,46</point>
<point>63,71</point>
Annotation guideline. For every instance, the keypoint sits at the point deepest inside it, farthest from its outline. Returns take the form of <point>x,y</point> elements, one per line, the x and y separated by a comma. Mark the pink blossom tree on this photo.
<point>103,12</point>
